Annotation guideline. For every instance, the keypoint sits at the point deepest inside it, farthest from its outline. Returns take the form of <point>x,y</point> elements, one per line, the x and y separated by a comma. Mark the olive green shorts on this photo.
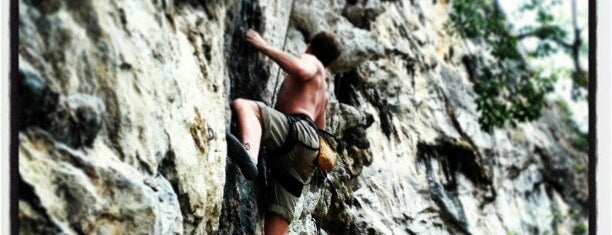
<point>299,162</point>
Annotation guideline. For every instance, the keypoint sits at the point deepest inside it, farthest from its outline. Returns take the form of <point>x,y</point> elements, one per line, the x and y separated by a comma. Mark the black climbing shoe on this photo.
<point>240,156</point>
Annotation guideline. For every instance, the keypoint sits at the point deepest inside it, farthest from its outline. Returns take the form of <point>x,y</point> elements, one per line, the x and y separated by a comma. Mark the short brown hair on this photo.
<point>325,46</point>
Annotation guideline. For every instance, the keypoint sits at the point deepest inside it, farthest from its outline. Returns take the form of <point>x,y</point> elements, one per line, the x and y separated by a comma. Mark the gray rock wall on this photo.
<point>124,106</point>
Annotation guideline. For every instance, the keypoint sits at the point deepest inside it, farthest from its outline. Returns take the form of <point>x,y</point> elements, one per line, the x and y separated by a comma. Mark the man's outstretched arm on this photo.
<point>302,68</point>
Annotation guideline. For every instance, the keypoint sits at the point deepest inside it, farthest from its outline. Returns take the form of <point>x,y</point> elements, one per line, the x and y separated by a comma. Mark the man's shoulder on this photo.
<point>309,58</point>
<point>312,59</point>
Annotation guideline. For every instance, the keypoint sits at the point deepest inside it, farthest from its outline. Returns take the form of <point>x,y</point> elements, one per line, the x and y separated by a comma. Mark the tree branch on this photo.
<point>534,33</point>
<point>577,42</point>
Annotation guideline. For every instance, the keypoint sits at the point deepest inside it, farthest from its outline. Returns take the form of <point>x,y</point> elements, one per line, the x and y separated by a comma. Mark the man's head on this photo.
<point>325,46</point>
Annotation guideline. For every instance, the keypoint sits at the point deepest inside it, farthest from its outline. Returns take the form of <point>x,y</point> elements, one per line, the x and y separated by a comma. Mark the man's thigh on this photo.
<point>275,126</point>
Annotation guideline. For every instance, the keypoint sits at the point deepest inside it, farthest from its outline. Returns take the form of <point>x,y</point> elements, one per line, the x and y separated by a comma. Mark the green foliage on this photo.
<point>581,228</point>
<point>548,33</point>
<point>584,48</point>
<point>581,140</point>
<point>581,81</point>
<point>578,168</point>
<point>508,90</point>
<point>564,108</point>
<point>552,38</point>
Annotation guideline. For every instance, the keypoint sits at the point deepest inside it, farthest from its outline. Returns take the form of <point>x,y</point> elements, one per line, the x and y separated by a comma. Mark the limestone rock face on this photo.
<point>156,73</point>
<point>124,105</point>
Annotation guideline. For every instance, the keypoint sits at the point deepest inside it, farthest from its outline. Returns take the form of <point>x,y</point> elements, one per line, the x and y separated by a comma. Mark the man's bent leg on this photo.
<point>249,125</point>
<point>275,225</point>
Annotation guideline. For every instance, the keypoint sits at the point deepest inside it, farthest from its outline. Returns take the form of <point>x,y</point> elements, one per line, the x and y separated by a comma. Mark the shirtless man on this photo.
<point>289,131</point>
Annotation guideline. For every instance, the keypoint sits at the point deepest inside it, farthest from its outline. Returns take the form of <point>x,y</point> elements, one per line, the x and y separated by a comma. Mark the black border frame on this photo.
<point>14,116</point>
<point>593,116</point>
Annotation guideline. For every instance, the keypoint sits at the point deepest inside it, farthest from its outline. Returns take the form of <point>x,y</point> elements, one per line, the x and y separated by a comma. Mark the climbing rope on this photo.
<point>273,101</point>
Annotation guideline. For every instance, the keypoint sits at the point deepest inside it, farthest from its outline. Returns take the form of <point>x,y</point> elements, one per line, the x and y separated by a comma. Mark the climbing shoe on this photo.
<point>237,152</point>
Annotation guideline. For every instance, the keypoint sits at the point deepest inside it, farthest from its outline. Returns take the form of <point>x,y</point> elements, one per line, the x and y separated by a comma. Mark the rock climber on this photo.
<point>289,130</point>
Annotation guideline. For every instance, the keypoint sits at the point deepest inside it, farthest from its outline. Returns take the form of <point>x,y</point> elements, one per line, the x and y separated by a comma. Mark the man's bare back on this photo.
<point>304,88</point>
<point>305,95</point>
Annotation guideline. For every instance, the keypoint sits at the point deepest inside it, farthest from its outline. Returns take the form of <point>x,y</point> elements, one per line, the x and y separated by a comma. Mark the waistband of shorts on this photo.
<point>305,117</point>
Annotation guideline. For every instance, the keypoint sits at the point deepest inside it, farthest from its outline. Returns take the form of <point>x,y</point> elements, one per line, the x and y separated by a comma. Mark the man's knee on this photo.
<point>242,104</point>
<point>239,103</point>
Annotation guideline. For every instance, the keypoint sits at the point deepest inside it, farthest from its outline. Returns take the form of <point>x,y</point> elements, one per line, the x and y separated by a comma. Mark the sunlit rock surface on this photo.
<point>125,105</point>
